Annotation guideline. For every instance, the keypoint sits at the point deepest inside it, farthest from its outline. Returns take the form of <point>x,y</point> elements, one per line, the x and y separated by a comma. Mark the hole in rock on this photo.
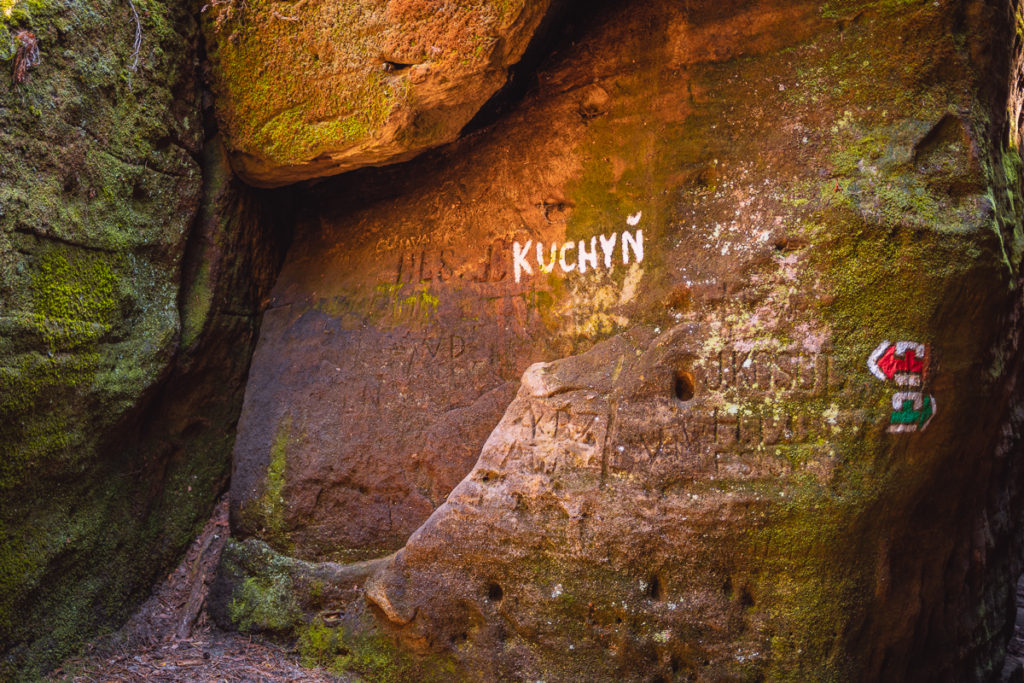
<point>787,245</point>
<point>949,131</point>
<point>494,592</point>
<point>746,599</point>
<point>391,66</point>
<point>655,590</point>
<point>684,386</point>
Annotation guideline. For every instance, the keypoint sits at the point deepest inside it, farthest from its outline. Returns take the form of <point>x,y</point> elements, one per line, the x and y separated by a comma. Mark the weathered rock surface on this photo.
<point>779,444</point>
<point>131,268</point>
<point>306,90</point>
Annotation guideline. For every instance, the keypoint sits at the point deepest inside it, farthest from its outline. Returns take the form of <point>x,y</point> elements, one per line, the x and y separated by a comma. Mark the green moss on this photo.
<point>264,604</point>
<point>319,644</point>
<point>889,261</point>
<point>94,209</point>
<point>200,300</point>
<point>264,594</point>
<point>307,81</point>
<point>34,377</point>
<point>387,304</point>
<point>16,13</point>
<point>269,593</point>
<point>84,291</point>
<point>838,9</point>
<point>371,655</point>
<point>869,148</point>
<point>75,301</point>
<point>268,511</point>
<point>288,139</point>
<point>811,584</point>
<point>880,176</point>
<point>422,304</point>
<point>290,120</point>
<point>17,563</point>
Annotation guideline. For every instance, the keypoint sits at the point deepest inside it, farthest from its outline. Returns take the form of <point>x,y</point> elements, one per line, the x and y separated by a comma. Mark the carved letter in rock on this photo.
<point>665,458</point>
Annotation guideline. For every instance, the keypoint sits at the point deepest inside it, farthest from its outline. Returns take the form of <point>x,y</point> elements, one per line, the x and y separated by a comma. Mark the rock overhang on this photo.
<point>305,91</point>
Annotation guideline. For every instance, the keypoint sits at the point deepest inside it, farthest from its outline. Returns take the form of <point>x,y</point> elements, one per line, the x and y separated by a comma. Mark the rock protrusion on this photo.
<point>317,89</point>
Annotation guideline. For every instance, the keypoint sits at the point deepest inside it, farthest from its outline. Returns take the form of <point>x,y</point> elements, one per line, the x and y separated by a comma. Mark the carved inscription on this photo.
<point>701,442</point>
<point>553,439</point>
<point>441,265</point>
<point>415,371</point>
<point>811,374</point>
<point>556,438</point>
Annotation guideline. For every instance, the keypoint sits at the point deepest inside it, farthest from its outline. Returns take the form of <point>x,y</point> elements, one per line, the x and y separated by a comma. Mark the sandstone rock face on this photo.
<point>768,257</point>
<point>128,293</point>
<point>306,90</point>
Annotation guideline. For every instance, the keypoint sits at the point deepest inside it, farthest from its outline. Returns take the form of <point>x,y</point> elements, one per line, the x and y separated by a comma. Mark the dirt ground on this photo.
<point>170,639</point>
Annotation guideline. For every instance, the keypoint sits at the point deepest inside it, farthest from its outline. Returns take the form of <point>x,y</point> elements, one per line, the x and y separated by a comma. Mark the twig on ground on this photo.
<point>27,55</point>
<point>137,44</point>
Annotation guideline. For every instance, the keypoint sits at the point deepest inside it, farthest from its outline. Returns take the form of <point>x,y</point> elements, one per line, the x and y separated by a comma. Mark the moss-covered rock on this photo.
<point>114,427</point>
<point>260,590</point>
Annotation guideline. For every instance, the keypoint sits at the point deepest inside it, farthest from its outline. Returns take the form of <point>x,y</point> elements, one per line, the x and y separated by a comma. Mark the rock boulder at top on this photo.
<point>305,90</point>
<point>770,259</point>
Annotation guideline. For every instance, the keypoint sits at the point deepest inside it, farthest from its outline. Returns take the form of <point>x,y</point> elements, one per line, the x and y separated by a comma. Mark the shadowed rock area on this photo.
<point>132,267</point>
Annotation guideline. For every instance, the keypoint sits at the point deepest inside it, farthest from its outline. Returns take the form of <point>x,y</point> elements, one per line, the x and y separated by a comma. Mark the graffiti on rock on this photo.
<point>579,256</point>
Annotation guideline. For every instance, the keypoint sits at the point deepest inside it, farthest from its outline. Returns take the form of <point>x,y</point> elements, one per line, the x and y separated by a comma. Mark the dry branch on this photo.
<point>27,55</point>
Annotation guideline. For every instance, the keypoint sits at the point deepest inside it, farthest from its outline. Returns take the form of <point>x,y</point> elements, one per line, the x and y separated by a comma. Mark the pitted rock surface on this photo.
<point>776,445</point>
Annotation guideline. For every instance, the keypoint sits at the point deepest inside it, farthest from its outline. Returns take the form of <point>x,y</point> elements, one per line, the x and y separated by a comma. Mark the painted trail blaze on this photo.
<point>904,363</point>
